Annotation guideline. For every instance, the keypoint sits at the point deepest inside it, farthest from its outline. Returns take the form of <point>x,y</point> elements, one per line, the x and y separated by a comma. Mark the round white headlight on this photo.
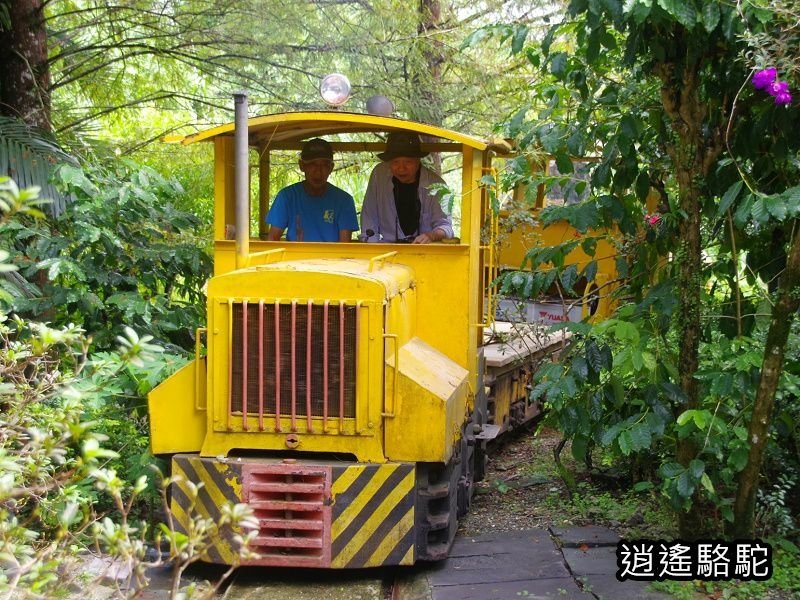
<point>334,89</point>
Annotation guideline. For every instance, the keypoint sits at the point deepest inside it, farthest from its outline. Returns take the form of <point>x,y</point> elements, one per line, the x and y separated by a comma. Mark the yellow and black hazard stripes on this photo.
<point>373,515</point>
<point>221,484</point>
<point>371,520</point>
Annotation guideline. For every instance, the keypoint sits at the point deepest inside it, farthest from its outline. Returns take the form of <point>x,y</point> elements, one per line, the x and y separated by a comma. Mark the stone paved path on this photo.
<point>565,563</point>
<point>535,564</point>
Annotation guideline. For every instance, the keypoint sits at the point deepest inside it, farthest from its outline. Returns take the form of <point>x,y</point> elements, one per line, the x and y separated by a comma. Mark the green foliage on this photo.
<point>612,390</point>
<point>784,583</point>
<point>658,94</point>
<point>30,155</point>
<point>120,253</point>
<point>60,409</point>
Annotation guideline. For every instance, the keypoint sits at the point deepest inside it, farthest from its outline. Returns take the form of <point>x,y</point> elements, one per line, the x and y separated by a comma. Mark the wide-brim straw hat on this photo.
<point>401,143</point>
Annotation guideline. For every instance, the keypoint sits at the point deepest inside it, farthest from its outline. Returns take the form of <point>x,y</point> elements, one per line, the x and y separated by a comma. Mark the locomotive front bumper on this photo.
<point>323,514</point>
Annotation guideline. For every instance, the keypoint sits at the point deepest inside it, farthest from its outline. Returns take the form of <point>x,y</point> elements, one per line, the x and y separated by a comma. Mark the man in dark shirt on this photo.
<point>398,204</point>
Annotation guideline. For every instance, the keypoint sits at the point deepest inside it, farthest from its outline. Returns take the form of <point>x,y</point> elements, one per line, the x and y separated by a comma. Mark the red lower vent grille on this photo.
<point>292,505</point>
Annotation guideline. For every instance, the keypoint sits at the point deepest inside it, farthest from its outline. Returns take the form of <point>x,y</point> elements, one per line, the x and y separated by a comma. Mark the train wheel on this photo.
<point>437,508</point>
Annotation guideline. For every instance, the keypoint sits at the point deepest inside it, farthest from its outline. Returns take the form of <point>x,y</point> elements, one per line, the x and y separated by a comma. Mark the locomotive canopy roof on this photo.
<point>289,130</point>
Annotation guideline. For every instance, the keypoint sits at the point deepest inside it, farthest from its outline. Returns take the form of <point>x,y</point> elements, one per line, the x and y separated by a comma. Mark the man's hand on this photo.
<point>431,236</point>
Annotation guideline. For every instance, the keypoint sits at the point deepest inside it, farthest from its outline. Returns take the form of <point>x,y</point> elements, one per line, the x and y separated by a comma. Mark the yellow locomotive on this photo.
<point>343,393</point>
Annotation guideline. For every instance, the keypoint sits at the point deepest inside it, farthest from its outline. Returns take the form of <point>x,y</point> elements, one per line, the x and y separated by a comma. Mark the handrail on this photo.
<point>197,375</point>
<point>494,232</point>
<point>381,258</point>
<point>391,413</point>
<point>262,253</point>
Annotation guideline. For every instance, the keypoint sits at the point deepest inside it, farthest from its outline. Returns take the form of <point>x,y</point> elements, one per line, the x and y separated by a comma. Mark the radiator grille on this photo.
<point>300,359</point>
<point>293,514</point>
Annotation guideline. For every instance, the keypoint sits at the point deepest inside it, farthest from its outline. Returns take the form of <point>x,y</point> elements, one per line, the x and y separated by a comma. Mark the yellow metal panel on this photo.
<point>515,243</point>
<point>212,494</point>
<point>373,516</point>
<point>302,125</point>
<point>475,206</point>
<point>446,292</point>
<point>432,398</point>
<point>316,280</point>
<point>346,279</point>
<point>176,425</point>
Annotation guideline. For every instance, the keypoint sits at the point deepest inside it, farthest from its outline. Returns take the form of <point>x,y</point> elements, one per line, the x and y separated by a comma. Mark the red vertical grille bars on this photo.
<point>297,360</point>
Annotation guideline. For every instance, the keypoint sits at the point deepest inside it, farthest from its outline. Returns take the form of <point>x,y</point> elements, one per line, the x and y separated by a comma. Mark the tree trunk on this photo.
<point>691,155</point>
<point>25,76</point>
<point>785,308</point>
<point>430,16</point>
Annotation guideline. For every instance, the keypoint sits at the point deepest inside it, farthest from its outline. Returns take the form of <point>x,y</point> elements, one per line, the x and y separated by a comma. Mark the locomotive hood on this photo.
<point>317,278</point>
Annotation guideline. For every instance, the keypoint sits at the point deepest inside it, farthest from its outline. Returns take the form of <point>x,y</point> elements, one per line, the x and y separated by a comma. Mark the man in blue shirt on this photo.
<point>313,210</point>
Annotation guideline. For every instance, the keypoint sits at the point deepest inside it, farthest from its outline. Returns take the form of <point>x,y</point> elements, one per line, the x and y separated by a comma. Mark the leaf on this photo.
<point>593,356</point>
<point>519,37</point>
<point>638,9</point>
<point>759,212</point>
<point>640,437</point>
<point>580,368</point>
<point>579,446</point>
<point>791,197</point>
<point>705,481</point>
<point>776,206</point>
<point>558,64</point>
<point>570,389</point>
<point>721,384</point>
<point>568,278</point>
<point>564,163</point>
<point>710,15</point>
<point>697,468</point>
<point>585,216</point>
<point>625,442</point>
<point>630,126</point>
<point>685,485</point>
<point>590,271</point>
<point>670,470</point>
<point>738,458</point>
<point>642,185</point>
<point>610,434</point>
<point>643,486</point>
<point>684,417</point>
<point>742,214</point>
<point>729,197</point>
<point>701,418</point>
<point>606,357</point>
<point>683,12</point>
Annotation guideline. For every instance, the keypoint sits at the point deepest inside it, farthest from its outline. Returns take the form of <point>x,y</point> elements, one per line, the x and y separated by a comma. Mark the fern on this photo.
<point>28,156</point>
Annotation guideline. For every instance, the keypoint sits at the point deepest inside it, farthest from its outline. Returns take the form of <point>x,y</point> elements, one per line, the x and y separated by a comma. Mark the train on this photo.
<point>348,391</point>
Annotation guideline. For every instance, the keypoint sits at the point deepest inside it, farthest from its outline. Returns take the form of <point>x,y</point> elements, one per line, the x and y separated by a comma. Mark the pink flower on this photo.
<point>766,79</point>
<point>652,220</point>
<point>783,98</point>
<point>777,87</point>
<point>763,78</point>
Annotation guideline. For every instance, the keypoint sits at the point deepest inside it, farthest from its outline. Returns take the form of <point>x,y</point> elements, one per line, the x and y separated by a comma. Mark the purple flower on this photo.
<point>783,98</point>
<point>763,78</point>
<point>777,87</point>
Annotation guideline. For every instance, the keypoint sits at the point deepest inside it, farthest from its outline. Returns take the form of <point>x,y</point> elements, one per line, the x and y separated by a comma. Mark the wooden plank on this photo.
<point>521,342</point>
